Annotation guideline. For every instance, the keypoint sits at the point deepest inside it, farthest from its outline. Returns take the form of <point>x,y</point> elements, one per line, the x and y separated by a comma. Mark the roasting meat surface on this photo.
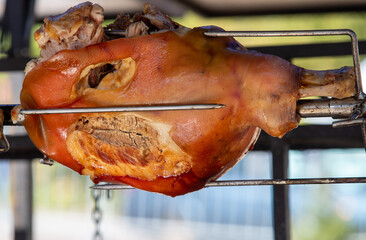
<point>161,62</point>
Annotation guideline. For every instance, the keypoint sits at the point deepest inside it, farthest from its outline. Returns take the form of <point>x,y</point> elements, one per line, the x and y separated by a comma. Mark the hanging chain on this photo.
<point>97,214</point>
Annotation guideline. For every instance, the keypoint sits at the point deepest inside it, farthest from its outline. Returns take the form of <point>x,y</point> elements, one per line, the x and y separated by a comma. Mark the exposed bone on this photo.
<point>338,83</point>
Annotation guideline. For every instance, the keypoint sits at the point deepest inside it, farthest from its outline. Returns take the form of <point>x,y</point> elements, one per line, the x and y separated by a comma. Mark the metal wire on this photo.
<point>258,182</point>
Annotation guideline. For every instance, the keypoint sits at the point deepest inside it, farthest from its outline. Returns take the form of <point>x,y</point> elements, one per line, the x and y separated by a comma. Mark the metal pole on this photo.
<point>21,189</point>
<point>281,212</point>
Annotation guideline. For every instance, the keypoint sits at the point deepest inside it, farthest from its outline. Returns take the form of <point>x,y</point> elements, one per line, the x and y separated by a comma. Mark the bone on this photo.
<point>337,83</point>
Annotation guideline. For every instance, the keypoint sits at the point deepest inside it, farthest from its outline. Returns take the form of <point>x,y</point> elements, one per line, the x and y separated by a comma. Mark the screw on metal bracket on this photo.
<point>46,161</point>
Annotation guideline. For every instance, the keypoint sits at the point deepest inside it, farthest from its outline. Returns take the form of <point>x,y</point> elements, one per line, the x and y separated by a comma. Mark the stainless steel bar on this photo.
<point>334,108</point>
<point>121,109</point>
<point>294,33</point>
<point>305,108</point>
<point>258,182</point>
<point>299,181</point>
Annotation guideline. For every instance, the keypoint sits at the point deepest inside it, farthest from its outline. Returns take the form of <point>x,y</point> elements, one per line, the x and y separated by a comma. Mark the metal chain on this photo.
<point>97,214</point>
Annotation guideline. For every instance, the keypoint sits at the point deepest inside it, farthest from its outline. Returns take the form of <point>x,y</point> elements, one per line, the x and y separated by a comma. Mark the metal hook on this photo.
<point>4,144</point>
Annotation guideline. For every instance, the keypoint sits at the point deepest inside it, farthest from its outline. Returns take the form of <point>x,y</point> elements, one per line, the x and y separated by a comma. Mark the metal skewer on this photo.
<point>305,108</point>
<point>140,108</point>
<point>257,182</point>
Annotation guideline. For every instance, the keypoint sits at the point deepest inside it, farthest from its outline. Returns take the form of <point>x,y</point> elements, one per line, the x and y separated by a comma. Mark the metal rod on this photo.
<point>280,196</point>
<point>259,182</point>
<point>122,109</point>
<point>295,33</point>
<point>305,108</point>
<point>121,33</point>
<point>279,33</point>
<point>334,108</point>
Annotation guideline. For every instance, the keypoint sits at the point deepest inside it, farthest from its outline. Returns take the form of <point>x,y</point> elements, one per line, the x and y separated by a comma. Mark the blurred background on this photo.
<point>62,203</point>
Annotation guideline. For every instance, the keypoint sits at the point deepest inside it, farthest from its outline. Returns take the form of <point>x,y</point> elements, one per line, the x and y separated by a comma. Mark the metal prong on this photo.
<point>46,161</point>
<point>121,33</point>
<point>122,109</point>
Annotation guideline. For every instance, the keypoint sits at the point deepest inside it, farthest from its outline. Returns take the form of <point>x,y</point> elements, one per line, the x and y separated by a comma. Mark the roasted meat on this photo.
<point>167,152</point>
